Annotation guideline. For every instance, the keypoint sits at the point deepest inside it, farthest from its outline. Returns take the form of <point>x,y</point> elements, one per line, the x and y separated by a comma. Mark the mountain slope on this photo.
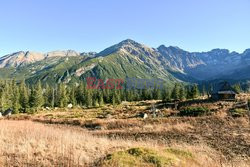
<point>127,59</point>
<point>22,58</point>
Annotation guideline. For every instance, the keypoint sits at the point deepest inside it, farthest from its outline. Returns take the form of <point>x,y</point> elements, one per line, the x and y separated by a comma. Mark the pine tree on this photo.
<point>95,102</point>
<point>80,94</point>
<point>47,96</point>
<point>15,97</point>
<point>210,90</point>
<point>166,96</point>
<point>62,96</point>
<point>182,92</point>
<point>24,97</point>
<point>194,91</point>
<point>118,97</point>
<point>100,98</point>
<point>106,96</point>
<point>4,99</point>
<point>7,95</point>
<point>72,96</point>
<point>237,88</point>
<point>176,92</point>
<point>156,94</point>
<point>129,95</point>
<point>88,98</point>
<point>36,97</point>
<point>204,92</point>
<point>114,100</point>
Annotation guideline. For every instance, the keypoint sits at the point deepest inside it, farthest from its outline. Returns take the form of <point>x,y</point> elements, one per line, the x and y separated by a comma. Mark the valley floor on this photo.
<point>107,136</point>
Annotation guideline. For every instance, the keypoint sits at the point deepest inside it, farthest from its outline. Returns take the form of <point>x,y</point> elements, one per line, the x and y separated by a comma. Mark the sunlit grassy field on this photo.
<point>115,136</point>
<point>25,143</point>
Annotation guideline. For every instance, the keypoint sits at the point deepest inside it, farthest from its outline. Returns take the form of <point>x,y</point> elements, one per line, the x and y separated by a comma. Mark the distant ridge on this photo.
<point>128,59</point>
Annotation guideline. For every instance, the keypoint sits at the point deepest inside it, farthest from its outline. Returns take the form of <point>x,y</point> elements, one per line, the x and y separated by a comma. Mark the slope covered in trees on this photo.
<point>21,97</point>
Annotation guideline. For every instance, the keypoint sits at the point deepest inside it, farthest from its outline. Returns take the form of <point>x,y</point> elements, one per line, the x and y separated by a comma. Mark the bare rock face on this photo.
<point>20,58</point>
<point>23,58</point>
<point>68,53</point>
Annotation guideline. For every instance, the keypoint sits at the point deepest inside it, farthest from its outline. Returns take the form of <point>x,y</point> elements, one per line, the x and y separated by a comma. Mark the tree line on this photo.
<point>24,98</point>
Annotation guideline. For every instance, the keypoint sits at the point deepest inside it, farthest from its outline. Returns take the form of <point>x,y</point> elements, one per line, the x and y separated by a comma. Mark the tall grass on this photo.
<point>25,143</point>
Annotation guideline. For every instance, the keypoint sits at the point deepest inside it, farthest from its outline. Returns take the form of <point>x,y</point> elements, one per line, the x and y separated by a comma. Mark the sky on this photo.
<point>93,25</point>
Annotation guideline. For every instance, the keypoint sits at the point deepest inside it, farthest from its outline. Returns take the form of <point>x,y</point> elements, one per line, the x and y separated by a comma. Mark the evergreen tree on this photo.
<point>118,97</point>
<point>95,98</point>
<point>52,104</point>
<point>189,93</point>
<point>194,91</point>
<point>4,99</point>
<point>100,98</point>
<point>114,99</point>
<point>15,97</point>
<point>129,95</point>
<point>24,96</point>
<point>204,92</point>
<point>156,94</point>
<point>166,96</point>
<point>36,97</point>
<point>80,94</point>
<point>176,92</point>
<point>182,92</point>
<point>144,94</point>
<point>210,90</point>
<point>88,98</point>
<point>72,96</point>
<point>106,96</point>
<point>237,88</point>
<point>62,96</point>
<point>47,96</point>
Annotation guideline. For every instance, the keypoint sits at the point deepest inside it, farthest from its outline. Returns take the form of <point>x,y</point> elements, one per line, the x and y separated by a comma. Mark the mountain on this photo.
<point>20,58</point>
<point>127,59</point>
<point>217,63</point>
<point>23,58</point>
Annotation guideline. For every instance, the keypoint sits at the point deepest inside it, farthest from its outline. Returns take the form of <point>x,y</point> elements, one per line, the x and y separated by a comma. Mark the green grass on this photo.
<point>144,157</point>
<point>194,111</point>
<point>239,112</point>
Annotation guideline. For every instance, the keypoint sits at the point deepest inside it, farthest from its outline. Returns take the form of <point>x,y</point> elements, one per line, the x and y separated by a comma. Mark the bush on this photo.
<point>238,112</point>
<point>194,111</point>
<point>31,110</point>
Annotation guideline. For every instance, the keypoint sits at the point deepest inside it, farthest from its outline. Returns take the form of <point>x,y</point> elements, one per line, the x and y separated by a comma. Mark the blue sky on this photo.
<point>92,25</point>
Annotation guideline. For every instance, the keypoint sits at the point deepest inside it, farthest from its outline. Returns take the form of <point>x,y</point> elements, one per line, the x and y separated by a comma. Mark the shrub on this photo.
<point>31,110</point>
<point>194,111</point>
<point>238,112</point>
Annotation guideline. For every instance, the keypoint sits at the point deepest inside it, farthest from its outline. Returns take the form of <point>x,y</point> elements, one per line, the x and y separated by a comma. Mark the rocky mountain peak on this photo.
<point>246,52</point>
<point>22,58</point>
<point>220,51</point>
<point>68,53</point>
<point>196,65</point>
<point>128,46</point>
<point>129,42</point>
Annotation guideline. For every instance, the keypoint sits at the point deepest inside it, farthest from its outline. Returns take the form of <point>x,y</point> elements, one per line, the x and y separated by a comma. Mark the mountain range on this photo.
<point>127,59</point>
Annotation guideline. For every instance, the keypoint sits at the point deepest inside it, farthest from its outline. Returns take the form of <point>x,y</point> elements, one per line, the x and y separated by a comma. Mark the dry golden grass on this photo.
<point>209,139</point>
<point>25,143</point>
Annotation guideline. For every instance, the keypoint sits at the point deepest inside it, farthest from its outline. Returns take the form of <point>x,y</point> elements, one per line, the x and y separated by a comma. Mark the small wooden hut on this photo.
<point>224,91</point>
